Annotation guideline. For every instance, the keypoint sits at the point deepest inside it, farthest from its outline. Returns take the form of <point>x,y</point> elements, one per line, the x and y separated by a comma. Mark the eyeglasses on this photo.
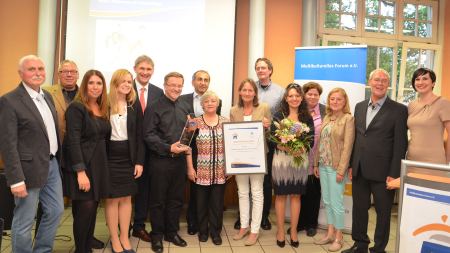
<point>293,85</point>
<point>66,72</point>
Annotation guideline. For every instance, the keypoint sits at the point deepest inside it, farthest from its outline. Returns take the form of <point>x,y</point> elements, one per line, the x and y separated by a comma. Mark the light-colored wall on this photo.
<point>282,35</point>
<point>445,84</point>
<point>19,26</point>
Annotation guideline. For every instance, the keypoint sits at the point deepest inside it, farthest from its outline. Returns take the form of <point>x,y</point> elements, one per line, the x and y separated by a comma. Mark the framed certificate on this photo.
<point>245,147</point>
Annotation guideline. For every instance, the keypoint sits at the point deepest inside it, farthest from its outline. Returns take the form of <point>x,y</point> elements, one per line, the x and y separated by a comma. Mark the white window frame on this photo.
<point>398,19</point>
<point>434,22</point>
<point>437,68</point>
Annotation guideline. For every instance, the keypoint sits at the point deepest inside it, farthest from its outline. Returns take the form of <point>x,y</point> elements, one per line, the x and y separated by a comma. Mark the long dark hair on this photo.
<point>303,112</point>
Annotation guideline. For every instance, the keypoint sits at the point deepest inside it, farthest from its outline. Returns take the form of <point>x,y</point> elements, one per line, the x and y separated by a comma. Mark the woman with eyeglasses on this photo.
<point>288,178</point>
<point>249,109</point>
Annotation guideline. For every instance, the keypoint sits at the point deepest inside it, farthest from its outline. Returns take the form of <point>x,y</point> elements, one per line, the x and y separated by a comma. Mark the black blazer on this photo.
<point>135,140</point>
<point>378,150</point>
<point>153,93</point>
<point>24,142</point>
<point>189,100</point>
<point>81,137</point>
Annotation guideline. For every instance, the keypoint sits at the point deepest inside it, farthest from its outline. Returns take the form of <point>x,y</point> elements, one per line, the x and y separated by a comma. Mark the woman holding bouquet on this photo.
<point>331,162</point>
<point>249,109</point>
<point>293,131</point>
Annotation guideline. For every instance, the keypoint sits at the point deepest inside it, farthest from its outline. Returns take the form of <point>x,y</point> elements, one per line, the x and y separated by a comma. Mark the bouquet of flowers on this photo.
<point>294,137</point>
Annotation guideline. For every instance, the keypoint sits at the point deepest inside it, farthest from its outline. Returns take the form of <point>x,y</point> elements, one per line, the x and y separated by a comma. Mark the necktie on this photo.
<point>142,99</point>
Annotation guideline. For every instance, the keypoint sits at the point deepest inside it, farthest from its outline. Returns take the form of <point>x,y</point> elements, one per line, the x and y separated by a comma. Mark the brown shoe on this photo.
<point>142,234</point>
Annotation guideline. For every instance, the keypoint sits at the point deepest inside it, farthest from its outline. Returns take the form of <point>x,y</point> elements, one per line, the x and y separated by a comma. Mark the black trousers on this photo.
<point>267,185</point>
<point>362,189</point>
<point>210,208</point>
<point>191,213</point>
<point>84,214</point>
<point>168,177</point>
<point>141,199</point>
<point>310,204</point>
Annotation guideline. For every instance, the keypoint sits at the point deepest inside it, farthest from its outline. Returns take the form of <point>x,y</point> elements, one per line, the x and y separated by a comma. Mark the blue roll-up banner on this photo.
<point>342,66</point>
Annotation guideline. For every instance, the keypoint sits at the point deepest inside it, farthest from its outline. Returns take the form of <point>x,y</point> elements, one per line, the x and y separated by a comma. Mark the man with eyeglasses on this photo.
<point>63,93</point>
<point>380,144</point>
<point>164,121</point>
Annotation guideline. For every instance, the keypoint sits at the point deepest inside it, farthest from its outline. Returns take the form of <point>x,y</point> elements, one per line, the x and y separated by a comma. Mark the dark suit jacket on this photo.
<point>189,100</point>
<point>153,93</point>
<point>322,109</point>
<point>378,150</point>
<point>24,141</point>
<point>81,137</point>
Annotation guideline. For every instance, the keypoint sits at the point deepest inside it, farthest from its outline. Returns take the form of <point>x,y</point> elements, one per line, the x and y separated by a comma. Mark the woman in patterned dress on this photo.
<point>288,178</point>
<point>209,174</point>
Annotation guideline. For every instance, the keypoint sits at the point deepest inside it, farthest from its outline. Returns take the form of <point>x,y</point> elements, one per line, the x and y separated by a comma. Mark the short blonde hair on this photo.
<point>208,94</point>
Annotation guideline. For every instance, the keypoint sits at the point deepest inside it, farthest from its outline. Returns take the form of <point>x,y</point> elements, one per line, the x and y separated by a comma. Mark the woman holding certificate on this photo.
<point>249,109</point>
<point>209,173</point>
<point>332,161</point>
<point>293,131</point>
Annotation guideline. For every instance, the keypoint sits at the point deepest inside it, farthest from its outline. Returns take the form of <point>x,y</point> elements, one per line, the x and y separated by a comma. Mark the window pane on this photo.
<point>387,9</point>
<point>409,11</point>
<point>348,22</point>
<point>331,20</point>
<point>386,58</point>
<point>412,63</point>
<point>332,5</point>
<point>349,6</point>
<point>387,26</point>
<point>427,59</point>
<point>409,28</point>
<point>372,7</point>
<point>371,25</point>
<point>424,12</point>
<point>408,96</point>
<point>424,30</point>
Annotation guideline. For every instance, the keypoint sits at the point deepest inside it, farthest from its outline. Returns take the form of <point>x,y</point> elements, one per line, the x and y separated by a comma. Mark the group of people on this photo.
<point>85,144</point>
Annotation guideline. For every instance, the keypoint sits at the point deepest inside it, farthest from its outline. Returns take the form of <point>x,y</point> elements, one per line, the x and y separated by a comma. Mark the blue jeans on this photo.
<point>51,198</point>
<point>333,196</point>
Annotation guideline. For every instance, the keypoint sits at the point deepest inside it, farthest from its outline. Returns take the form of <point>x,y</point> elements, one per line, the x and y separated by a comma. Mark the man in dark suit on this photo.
<point>147,94</point>
<point>200,82</point>
<point>380,144</point>
<point>29,145</point>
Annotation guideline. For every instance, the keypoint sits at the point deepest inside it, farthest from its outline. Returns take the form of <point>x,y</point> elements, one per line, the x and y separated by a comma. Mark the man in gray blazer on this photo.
<point>29,145</point>
<point>380,144</point>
